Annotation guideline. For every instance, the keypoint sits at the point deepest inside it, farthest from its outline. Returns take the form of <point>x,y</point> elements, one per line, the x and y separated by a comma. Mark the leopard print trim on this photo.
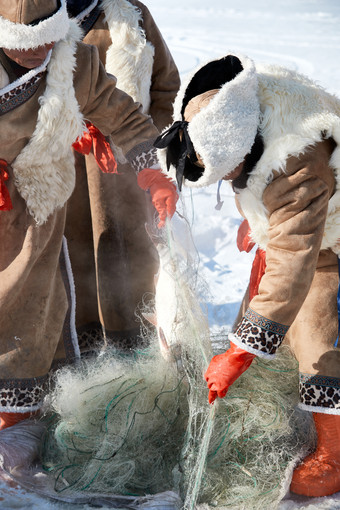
<point>259,333</point>
<point>91,338</point>
<point>142,156</point>
<point>319,392</point>
<point>22,395</point>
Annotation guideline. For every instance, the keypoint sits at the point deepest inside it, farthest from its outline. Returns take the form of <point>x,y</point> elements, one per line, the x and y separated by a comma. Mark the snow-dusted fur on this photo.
<point>296,112</point>
<point>23,37</point>
<point>44,170</point>
<point>130,56</point>
<point>224,131</point>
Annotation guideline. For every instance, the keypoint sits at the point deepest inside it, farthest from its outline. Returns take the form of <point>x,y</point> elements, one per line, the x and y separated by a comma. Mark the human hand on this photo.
<point>162,190</point>
<point>224,369</point>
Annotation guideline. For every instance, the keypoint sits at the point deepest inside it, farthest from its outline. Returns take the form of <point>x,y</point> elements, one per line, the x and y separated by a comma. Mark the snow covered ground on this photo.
<point>301,34</point>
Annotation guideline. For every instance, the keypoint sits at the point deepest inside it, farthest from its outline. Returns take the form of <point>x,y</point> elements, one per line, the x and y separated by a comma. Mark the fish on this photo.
<point>177,315</point>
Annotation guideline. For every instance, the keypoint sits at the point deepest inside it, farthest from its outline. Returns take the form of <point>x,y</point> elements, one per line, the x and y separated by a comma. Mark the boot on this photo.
<point>319,473</point>
<point>10,419</point>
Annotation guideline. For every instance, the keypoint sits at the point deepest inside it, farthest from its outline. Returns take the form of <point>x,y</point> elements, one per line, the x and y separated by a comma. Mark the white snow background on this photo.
<point>301,34</point>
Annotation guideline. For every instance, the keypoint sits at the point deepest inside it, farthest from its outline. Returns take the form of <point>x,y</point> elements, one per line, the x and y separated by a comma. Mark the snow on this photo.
<point>301,34</point>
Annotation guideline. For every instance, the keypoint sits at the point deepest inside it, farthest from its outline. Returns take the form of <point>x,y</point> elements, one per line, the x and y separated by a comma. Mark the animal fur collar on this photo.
<point>295,114</point>
<point>44,169</point>
<point>130,56</point>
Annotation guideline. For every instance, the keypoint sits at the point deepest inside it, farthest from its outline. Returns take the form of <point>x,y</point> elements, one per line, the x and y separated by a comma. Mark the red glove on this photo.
<point>224,369</point>
<point>163,192</point>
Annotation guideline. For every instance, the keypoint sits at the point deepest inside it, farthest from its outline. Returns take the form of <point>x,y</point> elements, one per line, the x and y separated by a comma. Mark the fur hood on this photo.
<point>295,113</point>
<point>16,32</point>
<point>44,170</point>
<point>223,131</point>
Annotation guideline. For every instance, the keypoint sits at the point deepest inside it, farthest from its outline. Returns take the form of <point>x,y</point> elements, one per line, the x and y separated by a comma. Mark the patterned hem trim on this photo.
<point>24,394</point>
<point>320,392</point>
<point>264,323</point>
<point>92,338</point>
<point>247,348</point>
<point>320,380</point>
<point>142,156</point>
<point>262,339</point>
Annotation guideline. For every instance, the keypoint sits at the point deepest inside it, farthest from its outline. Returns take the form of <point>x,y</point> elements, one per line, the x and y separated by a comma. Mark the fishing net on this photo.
<point>141,423</point>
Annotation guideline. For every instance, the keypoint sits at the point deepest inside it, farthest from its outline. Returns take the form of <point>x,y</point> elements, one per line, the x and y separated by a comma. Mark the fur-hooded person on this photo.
<point>50,83</point>
<point>124,261</point>
<point>275,135</point>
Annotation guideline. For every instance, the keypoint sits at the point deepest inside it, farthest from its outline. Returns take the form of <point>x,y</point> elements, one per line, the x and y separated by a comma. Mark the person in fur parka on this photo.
<point>107,215</point>
<point>275,135</point>
<point>50,82</point>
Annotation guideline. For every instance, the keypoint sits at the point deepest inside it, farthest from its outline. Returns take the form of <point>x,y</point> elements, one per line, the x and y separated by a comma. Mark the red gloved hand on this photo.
<point>224,369</point>
<point>163,192</point>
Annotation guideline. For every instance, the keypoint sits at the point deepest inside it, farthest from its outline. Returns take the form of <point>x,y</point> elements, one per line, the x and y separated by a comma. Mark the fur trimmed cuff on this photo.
<point>259,335</point>
<point>319,393</point>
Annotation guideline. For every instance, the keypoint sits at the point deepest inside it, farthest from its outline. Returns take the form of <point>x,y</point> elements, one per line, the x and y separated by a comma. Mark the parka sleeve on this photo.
<point>297,204</point>
<point>113,111</point>
<point>165,80</point>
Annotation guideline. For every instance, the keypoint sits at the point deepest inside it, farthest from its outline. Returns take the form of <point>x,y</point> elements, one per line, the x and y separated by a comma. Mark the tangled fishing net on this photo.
<point>141,424</point>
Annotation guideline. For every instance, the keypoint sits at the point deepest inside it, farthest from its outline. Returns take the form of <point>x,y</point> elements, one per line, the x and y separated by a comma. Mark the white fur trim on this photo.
<point>69,272</point>
<point>318,409</point>
<point>224,131</point>
<point>295,113</point>
<point>20,409</point>
<point>18,36</point>
<point>130,56</point>
<point>44,170</point>
<point>233,338</point>
<point>27,76</point>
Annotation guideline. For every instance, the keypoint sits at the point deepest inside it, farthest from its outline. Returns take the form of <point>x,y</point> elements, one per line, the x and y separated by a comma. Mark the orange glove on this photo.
<point>224,369</point>
<point>162,190</point>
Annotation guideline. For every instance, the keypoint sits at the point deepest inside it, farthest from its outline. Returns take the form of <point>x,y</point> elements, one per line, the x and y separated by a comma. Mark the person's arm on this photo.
<point>297,204</point>
<point>115,114</point>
